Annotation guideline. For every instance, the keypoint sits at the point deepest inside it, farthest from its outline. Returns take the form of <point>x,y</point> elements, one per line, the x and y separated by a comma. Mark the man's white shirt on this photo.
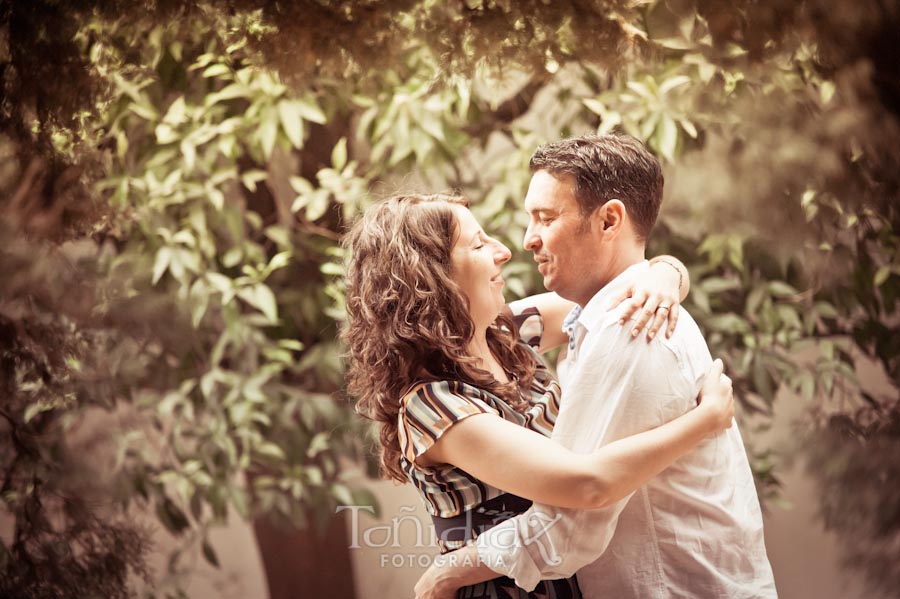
<point>693,531</point>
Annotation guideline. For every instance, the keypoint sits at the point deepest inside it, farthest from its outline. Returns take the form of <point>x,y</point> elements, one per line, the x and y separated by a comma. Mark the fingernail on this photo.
<point>621,321</point>
<point>650,335</point>
<point>634,332</point>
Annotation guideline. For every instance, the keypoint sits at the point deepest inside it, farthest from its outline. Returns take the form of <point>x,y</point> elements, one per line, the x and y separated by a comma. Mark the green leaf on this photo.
<point>331,268</point>
<point>688,127</point>
<point>239,499</point>
<point>261,297</point>
<point>291,344</point>
<point>229,92</point>
<point>714,285</point>
<point>291,122</point>
<point>318,444</point>
<point>673,82</point>
<point>595,106</point>
<point>674,43</point>
<point>365,497</point>
<point>881,275</point>
<point>318,205</point>
<point>165,134</point>
<point>271,450</point>
<point>667,137</point>
<point>34,409</point>
<point>216,70</point>
<point>728,323</point>
<point>339,154</point>
<point>253,176</point>
<point>189,152</point>
<point>199,302</point>
<point>177,112</point>
<point>826,310</point>
<point>342,494</point>
<point>268,132</point>
<point>163,258</point>
<point>168,403</point>
<point>171,516</point>
<point>781,289</point>
<point>210,554</point>
<point>309,110</point>
<point>640,89</point>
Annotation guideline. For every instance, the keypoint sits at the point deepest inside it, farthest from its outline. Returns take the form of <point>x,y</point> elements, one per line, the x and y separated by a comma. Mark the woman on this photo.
<point>436,359</point>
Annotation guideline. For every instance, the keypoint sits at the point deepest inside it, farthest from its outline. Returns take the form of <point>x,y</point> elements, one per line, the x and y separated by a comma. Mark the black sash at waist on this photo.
<point>480,518</point>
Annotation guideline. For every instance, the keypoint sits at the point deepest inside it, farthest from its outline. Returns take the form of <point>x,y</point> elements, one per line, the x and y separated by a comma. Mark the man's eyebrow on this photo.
<point>542,209</point>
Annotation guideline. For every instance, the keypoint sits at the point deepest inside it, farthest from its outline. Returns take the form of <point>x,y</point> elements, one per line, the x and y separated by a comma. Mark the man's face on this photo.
<point>561,238</point>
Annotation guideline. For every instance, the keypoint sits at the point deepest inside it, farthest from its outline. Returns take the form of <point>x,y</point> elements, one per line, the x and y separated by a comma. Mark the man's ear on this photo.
<point>610,217</point>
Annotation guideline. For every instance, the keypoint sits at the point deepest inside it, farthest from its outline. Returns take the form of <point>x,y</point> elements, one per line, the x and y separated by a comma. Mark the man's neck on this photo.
<point>625,257</point>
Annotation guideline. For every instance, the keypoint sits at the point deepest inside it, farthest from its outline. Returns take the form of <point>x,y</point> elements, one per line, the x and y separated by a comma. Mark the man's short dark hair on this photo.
<point>607,167</point>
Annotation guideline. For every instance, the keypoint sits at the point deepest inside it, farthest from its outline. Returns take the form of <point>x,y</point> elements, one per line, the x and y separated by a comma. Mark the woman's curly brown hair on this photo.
<point>408,322</point>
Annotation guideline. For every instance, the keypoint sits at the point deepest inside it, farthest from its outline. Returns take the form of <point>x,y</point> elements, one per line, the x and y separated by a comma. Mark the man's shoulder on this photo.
<point>686,331</point>
<point>687,343</point>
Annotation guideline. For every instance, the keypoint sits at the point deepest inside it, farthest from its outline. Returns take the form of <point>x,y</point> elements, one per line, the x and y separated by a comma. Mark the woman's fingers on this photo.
<point>673,320</point>
<point>713,377</point>
<point>645,314</point>
<point>717,396</point>
<point>651,310</point>
<point>660,316</point>
<point>638,298</point>
<point>620,297</point>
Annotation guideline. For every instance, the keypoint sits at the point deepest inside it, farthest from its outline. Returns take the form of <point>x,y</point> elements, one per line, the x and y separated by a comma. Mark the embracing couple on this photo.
<point>629,482</point>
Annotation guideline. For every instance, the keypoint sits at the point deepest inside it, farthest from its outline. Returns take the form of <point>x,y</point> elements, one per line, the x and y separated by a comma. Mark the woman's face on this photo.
<point>475,266</point>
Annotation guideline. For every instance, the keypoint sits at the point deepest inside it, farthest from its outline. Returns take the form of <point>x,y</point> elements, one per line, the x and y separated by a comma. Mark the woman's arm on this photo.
<point>655,296</point>
<point>666,284</point>
<point>554,310</point>
<point>493,450</point>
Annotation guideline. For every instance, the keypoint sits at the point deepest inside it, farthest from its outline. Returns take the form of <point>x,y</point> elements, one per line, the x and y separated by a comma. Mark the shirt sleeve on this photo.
<point>429,410</point>
<point>547,542</point>
<point>624,386</point>
<point>529,322</point>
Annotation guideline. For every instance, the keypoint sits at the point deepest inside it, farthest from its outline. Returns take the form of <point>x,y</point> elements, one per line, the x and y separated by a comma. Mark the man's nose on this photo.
<point>531,240</point>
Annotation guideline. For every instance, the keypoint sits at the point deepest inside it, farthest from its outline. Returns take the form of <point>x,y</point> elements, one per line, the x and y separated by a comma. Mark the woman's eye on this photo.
<point>478,247</point>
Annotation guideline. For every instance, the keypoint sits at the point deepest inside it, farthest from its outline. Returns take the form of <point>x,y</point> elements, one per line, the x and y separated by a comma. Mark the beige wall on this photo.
<point>240,575</point>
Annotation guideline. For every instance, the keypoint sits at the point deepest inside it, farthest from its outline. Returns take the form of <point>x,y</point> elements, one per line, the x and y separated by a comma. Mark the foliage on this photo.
<point>199,162</point>
<point>858,450</point>
<point>56,363</point>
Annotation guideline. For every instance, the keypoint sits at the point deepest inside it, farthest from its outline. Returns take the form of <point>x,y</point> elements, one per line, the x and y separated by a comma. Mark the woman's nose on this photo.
<point>501,253</point>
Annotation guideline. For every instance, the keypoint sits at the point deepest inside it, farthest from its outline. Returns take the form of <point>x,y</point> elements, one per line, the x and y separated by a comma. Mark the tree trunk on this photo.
<point>303,563</point>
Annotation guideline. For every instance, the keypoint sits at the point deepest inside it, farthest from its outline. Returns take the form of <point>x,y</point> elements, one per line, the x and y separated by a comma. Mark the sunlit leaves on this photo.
<point>253,394</point>
<point>650,108</point>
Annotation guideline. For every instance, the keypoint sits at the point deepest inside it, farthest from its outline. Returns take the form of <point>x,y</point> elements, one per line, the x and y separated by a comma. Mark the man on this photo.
<point>695,531</point>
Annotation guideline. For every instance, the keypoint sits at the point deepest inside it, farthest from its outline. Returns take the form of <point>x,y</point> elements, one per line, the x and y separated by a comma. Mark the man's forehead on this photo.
<point>550,193</point>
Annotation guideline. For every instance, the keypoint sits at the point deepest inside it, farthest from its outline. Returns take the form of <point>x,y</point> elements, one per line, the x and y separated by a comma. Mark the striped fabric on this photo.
<point>430,409</point>
<point>529,324</point>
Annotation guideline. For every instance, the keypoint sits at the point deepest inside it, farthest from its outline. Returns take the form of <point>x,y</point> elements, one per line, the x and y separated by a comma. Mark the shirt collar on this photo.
<point>568,325</point>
